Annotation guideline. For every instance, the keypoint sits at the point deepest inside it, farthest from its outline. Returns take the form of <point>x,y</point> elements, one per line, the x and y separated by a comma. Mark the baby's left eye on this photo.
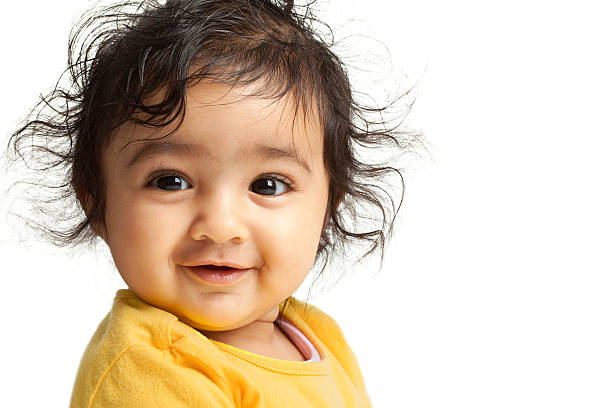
<point>270,186</point>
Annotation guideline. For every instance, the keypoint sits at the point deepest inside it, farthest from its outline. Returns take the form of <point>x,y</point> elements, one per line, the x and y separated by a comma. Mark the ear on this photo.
<point>86,202</point>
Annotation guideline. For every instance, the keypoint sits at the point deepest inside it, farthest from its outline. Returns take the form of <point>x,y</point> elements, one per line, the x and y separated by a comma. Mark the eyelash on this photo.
<point>167,173</point>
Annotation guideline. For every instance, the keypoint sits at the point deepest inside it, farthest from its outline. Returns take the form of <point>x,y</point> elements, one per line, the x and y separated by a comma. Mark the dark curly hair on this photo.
<point>121,55</point>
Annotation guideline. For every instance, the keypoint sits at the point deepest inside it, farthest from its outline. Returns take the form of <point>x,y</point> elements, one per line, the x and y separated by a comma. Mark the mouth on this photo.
<point>217,267</point>
<point>218,274</point>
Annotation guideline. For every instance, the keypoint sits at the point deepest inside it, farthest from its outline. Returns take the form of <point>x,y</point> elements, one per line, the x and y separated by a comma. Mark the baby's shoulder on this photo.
<point>137,349</point>
<point>323,326</point>
<point>316,322</point>
<point>316,319</point>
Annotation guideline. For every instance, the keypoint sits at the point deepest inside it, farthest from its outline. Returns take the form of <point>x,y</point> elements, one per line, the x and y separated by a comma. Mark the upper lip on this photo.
<point>218,263</point>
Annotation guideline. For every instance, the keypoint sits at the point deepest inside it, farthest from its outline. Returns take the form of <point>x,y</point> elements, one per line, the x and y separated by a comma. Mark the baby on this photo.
<point>213,147</point>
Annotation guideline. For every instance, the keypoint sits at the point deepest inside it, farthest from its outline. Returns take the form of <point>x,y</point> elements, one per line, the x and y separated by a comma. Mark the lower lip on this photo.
<point>216,276</point>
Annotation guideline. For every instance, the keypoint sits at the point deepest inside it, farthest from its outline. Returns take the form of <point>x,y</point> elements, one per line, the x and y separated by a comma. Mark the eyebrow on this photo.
<point>197,152</point>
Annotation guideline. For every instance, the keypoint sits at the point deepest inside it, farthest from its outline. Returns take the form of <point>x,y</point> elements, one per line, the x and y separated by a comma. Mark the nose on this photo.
<point>219,218</point>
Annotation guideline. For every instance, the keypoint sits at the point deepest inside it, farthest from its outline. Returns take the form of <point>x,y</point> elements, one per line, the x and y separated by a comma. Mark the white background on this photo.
<point>496,290</point>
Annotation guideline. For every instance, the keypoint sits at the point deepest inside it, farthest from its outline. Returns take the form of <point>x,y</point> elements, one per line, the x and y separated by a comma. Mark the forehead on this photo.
<point>219,118</point>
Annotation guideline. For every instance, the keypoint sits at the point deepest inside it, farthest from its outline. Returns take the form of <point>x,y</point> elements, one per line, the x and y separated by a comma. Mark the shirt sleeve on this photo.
<point>145,377</point>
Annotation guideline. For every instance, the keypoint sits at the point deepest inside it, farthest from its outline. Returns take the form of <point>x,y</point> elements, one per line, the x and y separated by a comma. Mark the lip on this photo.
<point>218,277</point>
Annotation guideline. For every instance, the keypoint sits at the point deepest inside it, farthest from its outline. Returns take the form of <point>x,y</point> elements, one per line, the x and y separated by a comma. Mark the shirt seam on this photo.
<point>103,377</point>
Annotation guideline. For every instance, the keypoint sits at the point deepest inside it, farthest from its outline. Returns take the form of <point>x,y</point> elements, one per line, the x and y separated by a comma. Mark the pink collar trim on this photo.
<point>300,341</point>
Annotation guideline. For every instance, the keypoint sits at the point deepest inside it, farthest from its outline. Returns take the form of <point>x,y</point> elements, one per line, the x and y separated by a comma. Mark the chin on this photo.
<point>216,323</point>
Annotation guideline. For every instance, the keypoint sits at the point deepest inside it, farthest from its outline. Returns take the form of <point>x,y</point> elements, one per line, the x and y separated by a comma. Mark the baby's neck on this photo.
<point>260,337</point>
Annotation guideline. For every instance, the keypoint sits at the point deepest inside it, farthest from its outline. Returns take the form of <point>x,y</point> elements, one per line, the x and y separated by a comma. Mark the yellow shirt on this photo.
<point>142,356</point>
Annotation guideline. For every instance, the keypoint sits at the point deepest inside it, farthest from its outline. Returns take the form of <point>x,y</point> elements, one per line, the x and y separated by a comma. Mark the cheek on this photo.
<point>290,240</point>
<point>137,235</point>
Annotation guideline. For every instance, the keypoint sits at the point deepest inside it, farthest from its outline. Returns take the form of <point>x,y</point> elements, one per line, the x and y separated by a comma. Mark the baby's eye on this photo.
<point>169,182</point>
<point>270,185</point>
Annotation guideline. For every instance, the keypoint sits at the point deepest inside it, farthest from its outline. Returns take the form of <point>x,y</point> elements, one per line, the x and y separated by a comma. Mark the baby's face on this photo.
<point>242,183</point>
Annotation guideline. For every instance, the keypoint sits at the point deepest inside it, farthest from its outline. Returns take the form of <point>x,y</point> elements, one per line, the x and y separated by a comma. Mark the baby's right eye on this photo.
<point>168,182</point>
